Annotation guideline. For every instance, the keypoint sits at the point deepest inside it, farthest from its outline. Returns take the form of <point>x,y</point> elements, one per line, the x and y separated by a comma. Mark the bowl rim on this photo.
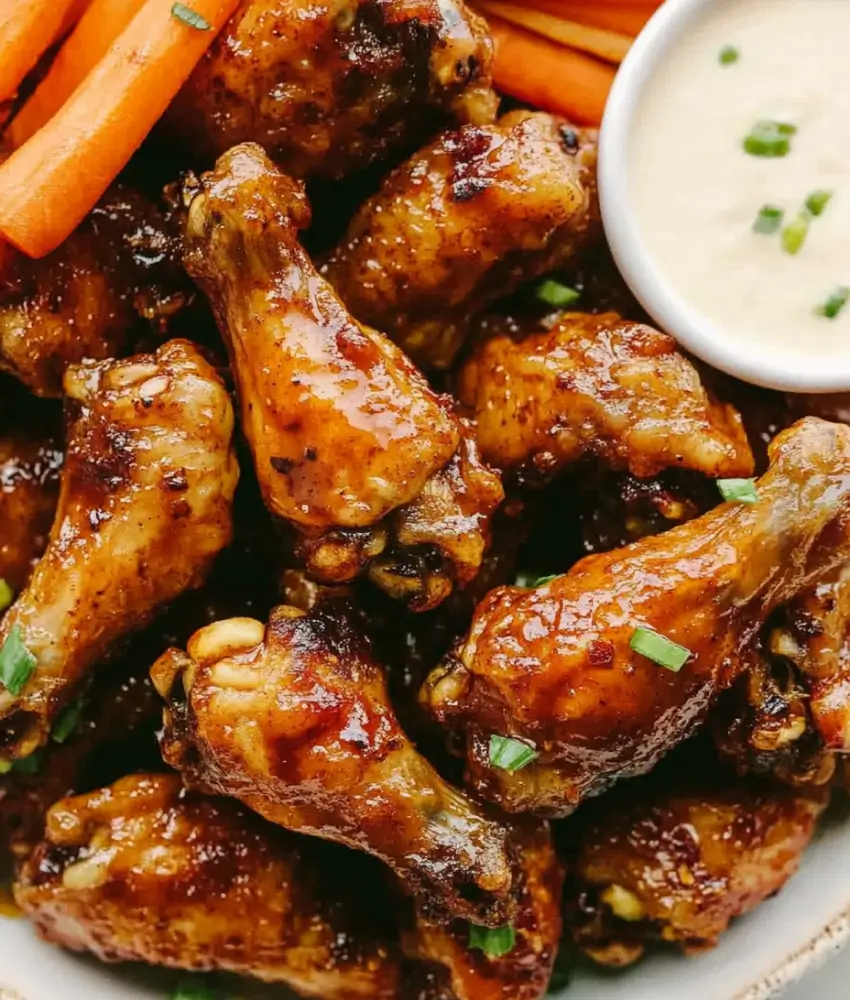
<point>774,369</point>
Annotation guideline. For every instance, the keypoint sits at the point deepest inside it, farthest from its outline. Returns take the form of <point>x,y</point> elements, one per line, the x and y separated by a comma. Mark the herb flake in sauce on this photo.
<point>769,219</point>
<point>770,139</point>
<point>835,303</point>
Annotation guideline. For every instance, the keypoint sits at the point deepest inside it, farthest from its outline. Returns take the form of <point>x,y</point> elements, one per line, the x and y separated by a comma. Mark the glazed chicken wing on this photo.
<point>327,88</point>
<point>294,719</point>
<point>143,871</point>
<point>145,506</point>
<point>677,865</point>
<point>555,666</point>
<point>601,386</point>
<point>88,299</point>
<point>344,431</point>
<point>465,222</point>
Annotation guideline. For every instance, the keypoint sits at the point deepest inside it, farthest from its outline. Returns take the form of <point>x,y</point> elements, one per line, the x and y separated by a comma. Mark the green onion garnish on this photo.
<point>817,201</point>
<point>659,649</point>
<point>194,989</point>
<point>794,234</point>
<point>769,219</point>
<point>510,755</point>
<point>729,55</point>
<point>7,595</point>
<point>769,139</point>
<point>738,490</point>
<point>28,765</point>
<point>5,766</point>
<point>554,294</point>
<point>68,721</point>
<point>835,303</point>
<point>190,17</point>
<point>494,942</point>
<point>16,662</point>
<point>543,580</point>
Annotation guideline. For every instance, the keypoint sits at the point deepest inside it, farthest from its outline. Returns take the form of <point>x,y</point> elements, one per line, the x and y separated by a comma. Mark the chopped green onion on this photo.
<point>195,989</point>
<point>769,219</point>
<point>28,765</point>
<point>68,721</point>
<point>494,942</point>
<point>525,578</point>
<point>6,766</point>
<point>729,55</point>
<point>7,595</point>
<point>658,648</point>
<point>794,235</point>
<point>543,580</point>
<point>817,201</point>
<point>510,755</point>
<point>738,490</point>
<point>835,303</point>
<point>770,139</point>
<point>190,17</point>
<point>554,294</point>
<point>16,662</point>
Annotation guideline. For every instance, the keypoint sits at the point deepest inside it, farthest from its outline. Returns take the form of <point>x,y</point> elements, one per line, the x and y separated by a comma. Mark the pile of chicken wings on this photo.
<point>326,534</point>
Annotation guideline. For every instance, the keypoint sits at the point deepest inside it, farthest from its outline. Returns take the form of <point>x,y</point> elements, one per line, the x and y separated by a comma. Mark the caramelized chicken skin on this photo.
<point>329,87</point>
<point>87,299</point>
<point>678,864</point>
<point>294,719</point>
<point>600,386</point>
<point>464,222</point>
<point>144,871</point>
<point>554,665</point>
<point>144,508</point>
<point>343,429</point>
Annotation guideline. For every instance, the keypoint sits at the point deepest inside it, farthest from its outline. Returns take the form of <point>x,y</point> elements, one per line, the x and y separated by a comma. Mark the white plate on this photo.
<point>803,925</point>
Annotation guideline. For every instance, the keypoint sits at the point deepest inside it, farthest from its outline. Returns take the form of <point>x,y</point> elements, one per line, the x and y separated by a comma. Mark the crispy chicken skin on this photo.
<point>601,386</point>
<point>145,506</point>
<point>463,223</point>
<point>30,460</point>
<point>144,871</point>
<point>524,972</point>
<point>294,719</point>
<point>88,299</point>
<point>331,87</point>
<point>674,865</point>
<point>343,429</point>
<point>554,666</point>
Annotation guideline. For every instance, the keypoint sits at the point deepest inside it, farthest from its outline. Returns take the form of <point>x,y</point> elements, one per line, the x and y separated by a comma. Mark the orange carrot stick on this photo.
<point>628,19</point>
<point>550,76</point>
<point>98,28</point>
<point>27,29</point>
<point>72,15</point>
<point>49,184</point>
<point>608,45</point>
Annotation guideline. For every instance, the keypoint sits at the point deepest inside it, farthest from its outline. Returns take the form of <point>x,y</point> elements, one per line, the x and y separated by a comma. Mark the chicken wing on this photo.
<point>143,871</point>
<point>328,88</point>
<point>555,665</point>
<point>600,386</point>
<point>344,431</point>
<point>463,223</point>
<point>677,865</point>
<point>89,298</point>
<point>144,508</point>
<point>294,719</point>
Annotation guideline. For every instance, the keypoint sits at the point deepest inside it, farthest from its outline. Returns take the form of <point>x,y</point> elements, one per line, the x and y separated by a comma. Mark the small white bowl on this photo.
<point>776,369</point>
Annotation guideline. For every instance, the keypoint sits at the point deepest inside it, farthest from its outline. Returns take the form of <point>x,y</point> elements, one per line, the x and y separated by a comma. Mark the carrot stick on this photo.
<point>608,45</point>
<point>27,29</point>
<point>72,15</point>
<point>627,19</point>
<point>549,76</point>
<point>49,184</point>
<point>87,45</point>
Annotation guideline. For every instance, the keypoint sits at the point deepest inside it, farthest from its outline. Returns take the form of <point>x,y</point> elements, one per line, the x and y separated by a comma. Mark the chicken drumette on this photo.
<point>677,864</point>
<point>555,666</point>
<point>144,871</point>
<point>294,719</point>
<point>330,87</point>
<point>600,386</point>
<point>145,506</point>
<point>349,442</point>
<point>463,223</point>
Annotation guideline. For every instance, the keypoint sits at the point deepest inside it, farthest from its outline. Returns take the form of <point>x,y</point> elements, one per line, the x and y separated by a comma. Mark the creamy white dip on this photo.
<point>697,192</point>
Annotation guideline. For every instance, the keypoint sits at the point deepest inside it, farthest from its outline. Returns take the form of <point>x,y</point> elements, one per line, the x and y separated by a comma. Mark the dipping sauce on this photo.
<point>732,231</point>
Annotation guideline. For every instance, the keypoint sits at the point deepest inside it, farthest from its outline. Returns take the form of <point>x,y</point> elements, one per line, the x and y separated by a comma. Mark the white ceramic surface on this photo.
<point>778,369</point>
<point>806,923</point>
